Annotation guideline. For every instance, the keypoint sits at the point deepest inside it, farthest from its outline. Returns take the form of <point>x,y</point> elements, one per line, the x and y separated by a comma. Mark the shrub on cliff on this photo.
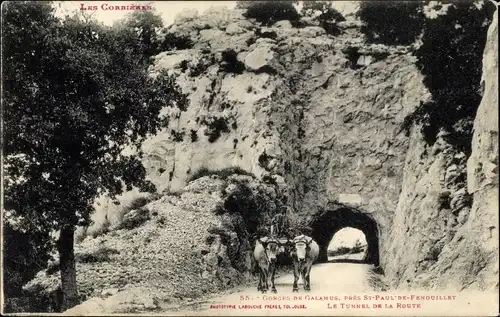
<point>325,14</point>
<point>222,173</point>
<point>269,12</point>
<point>253,203</point>
<point>100,254</point>
<point>141,32</point>
<point>391,22</point>
<point>172,41</point>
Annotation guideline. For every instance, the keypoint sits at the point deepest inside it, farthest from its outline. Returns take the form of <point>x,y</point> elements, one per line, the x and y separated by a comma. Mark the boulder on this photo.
<point>259,58</point>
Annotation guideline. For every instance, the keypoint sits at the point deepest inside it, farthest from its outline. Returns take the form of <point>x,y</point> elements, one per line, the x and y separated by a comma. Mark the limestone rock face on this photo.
<point>295,104</point>
<point>259,57</point>
<point>445,229</point>
<point>289,103</point>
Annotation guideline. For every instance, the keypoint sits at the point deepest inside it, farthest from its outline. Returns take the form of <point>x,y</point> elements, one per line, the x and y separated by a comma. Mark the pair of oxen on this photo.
<point>302,249</point>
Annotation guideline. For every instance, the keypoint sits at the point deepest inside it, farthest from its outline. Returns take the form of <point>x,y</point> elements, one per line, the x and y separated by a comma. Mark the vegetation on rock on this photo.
<point>221,173</point>
<point>216,126</point>
<point>24,254</point>
<point>325,14</point>
<point>269,12</point>
<point>175,42</point>
<point>450,58</point>
<point>391,22</point>
<point>230,63</point>
<point>142,29</point>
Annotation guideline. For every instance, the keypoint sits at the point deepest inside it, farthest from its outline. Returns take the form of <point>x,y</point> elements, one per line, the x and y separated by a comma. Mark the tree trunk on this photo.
<point>68,268</point>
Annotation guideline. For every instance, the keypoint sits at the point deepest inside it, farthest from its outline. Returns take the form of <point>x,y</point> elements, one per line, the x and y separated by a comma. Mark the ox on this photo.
<point>304,253</point>
<point>265,254</point>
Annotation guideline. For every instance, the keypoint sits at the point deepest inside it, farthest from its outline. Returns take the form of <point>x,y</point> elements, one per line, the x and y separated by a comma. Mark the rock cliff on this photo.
<point>445,229</point>
<point>320,114</point>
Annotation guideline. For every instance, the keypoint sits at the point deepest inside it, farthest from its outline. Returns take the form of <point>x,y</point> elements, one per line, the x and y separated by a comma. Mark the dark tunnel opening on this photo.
<point>336,217</point>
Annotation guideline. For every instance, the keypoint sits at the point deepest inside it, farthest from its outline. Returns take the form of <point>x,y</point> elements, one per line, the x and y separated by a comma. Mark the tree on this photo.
<point>391,22</point>
<point>269,12</point>
<point>325,13</point>
<point>142,28</point>
<point>74,99</point>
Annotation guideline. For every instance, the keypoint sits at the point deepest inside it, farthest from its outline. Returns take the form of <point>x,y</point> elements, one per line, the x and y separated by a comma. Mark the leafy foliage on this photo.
<point>75,95</point>
<point>269,12</point>
<point>101,254</point>
<point>172,41</point>
<point>391,22</point>
<point>325,14</point>
<point>252,204</point>
<point>222,173</point>
<point>346,250</point>
<point>24,254</point>
<point>216,126</point>
<point>73,99</point>
<point>141,29</point>
<point>230,62</point>
<point>450,59</point>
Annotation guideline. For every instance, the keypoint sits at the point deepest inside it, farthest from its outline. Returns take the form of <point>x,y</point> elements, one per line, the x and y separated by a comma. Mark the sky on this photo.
<point>167,9</point>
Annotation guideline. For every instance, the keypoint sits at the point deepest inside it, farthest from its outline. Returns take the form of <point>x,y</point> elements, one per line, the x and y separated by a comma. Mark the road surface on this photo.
<point>327,281</point>
<point>341,289</point>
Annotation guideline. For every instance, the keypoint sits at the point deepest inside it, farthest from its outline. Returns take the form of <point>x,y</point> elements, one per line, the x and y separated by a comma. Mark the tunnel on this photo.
<point>336,217</point>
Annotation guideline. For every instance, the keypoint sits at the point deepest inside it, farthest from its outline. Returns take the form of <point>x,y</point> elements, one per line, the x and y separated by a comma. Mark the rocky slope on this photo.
<point>177,247</point>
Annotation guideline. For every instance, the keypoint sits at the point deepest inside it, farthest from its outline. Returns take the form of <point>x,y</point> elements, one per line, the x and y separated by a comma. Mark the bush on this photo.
<point>216,125</point>
<point>346,250</point>
<point>222,173</point>
<point>252,205</point>
<point>339,251</point>
<point>194,135</point>
<point>202,64</point>
<point>391,22</point>
<point>101,254</point>
<point>138,202</point>
<point>230,62</point>
<point>178,136</point>
<point>176,42</point>
<point>325,14</point>
<point>134,218</point>
<point>269,12</point>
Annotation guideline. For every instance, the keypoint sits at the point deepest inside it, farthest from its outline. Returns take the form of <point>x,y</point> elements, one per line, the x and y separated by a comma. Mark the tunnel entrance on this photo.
<point>337,217</point>
<point>347,245</point>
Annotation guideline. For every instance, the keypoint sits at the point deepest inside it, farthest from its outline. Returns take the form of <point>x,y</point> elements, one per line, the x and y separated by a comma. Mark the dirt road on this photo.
<point>341,289</point>
<point>327,281</point>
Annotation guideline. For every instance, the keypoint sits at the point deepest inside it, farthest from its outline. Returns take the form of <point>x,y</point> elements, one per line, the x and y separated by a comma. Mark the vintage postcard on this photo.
<point>250,158</point>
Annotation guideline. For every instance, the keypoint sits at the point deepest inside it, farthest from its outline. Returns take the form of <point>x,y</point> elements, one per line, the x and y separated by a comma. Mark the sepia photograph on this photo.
<point>249,158</point>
